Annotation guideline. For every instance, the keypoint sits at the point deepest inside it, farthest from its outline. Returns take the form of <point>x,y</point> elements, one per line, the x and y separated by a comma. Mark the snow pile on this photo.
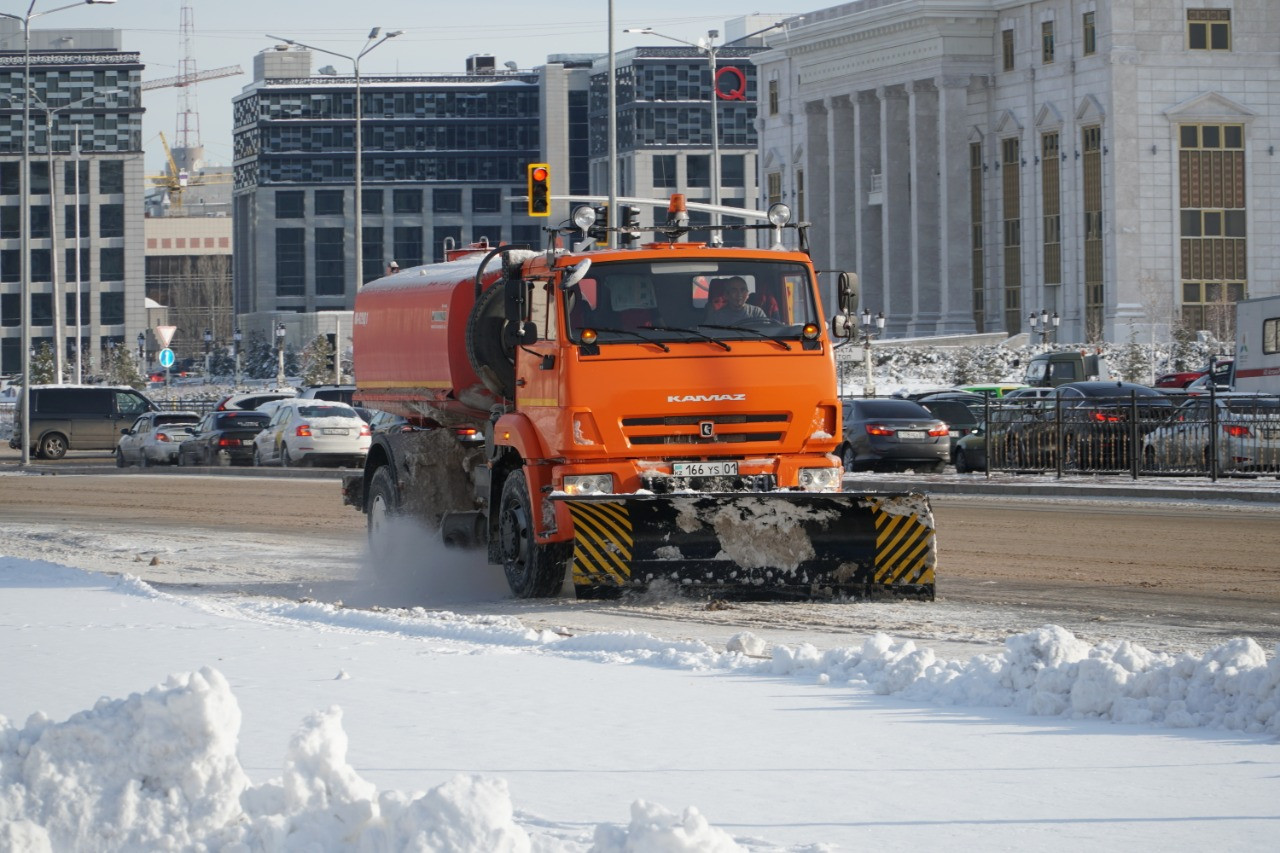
<point>158,771</point>
<point>1049,672</point>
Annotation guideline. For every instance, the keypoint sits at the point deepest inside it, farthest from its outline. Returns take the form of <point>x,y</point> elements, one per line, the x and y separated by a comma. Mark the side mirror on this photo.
<point>843,326</point>
<point>847,292</point>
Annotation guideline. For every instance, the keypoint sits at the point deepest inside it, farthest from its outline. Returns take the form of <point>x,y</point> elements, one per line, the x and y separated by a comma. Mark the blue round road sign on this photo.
<point>166,357</point>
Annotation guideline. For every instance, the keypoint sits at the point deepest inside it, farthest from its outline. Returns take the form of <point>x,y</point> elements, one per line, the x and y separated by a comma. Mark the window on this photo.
<point>1046,42</point>
<point>1213,225</point>
<point>1209,29</point>
<point>290,204</point>
<point>486,200</point>
<point>40,225</point>
<point>1052,207</point>
<point>1090,34</point>
<point>1271,336</point>
<point>446,200</point>
<point>699,169</point>
<point>733,171</point>
<point>41,309</point>
<point>10,222</point>
<point>372,201</point>
<point>975,217</point>
<point>9,179</point>
<point>773,97</point>
<point>69,185</point>
<point>1006,49</point>
<point>291,262</point>
<point>110,220</point>
<point>773,187</point>
<point>664,171</point>
<point>10,265</point>
<point>330,261</point>
<point>406,201</point>
<point>69,220</point>
<point>406,247</point>
<point>111,176</point>
<point>39,179</point>
<point>372,257</point>
<point>1011,198</point>
<point>111,264</point>
<point>74,272</point>
<point>10,310</point>
<point>330,202</point>
<point>1091,192</point>
<point>111,309</point>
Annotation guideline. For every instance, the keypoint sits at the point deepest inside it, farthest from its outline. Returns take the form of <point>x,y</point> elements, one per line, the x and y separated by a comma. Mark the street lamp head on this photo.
<point>375,32</point>
<point>394,33</point>
<point>639,30</point>
<point>100,2</point>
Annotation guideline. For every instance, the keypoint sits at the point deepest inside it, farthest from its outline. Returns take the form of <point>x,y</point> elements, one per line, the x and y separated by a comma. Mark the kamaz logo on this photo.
<point>707,398</point>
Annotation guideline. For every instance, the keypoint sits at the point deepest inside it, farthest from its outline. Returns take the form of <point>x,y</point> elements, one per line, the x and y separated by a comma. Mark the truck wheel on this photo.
<point>533,570</point>
<point>53,446</point>
<point>383,507</point>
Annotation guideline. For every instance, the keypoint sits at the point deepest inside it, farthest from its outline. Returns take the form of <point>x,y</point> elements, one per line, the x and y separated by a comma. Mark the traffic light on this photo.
<point>630,224</point>
<point>599,230</point>
<point>539,189</point>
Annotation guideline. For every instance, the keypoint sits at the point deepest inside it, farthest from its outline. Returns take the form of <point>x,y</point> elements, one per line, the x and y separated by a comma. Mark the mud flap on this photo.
<point>775,544</point>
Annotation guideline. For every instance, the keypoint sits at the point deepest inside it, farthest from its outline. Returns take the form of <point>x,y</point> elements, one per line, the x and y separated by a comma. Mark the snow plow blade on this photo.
<point>768,545</point>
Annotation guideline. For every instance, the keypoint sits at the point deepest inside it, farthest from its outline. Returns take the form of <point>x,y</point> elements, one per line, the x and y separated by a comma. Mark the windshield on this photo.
<point>681,300</point>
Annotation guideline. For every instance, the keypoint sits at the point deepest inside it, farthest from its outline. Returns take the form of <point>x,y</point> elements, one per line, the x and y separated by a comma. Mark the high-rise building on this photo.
<point>443,155</point>
<point>1112,163</point>
<point>85,196</point>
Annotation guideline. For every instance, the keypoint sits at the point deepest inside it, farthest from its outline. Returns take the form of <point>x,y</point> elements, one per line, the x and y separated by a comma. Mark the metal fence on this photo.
<point>1211,435</point>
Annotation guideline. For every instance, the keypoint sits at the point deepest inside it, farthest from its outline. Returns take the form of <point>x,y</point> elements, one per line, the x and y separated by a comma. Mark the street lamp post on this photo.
<point>370,44</point>
<point>142,352</point>
<point>872,327</point>
<point>280,333</point>
<point>24,187</point>
<point>236,338</point>
<point>713,51</point>
<point>208,343</point>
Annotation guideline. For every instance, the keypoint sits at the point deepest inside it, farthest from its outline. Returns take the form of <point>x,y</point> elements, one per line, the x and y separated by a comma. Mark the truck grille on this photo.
<point>687,429</point>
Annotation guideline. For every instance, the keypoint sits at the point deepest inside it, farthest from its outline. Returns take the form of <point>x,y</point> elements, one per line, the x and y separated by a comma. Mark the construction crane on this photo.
<point>177,179</point>
<point>180,80</point>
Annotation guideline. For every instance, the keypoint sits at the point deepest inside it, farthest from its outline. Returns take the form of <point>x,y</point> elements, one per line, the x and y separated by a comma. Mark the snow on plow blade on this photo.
<point>775,544</point>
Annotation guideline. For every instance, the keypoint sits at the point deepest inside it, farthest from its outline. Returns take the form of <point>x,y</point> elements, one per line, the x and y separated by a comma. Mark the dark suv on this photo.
<point>80,417</point>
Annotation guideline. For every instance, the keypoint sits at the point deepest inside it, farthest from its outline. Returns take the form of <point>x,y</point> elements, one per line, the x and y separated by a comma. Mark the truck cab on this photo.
<point>1051,369</point>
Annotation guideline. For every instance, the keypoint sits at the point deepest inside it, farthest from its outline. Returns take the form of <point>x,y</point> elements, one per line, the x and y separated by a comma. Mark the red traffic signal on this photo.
<point>539,189</point>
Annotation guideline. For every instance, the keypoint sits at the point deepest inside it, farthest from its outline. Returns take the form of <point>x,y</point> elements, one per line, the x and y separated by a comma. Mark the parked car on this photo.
<point>312,432</point>
<point>993,389</point>
<point>79,417</point>
<point>223,438</point>
<point>961,411</point>
<point>1243,429</point>
<point>1089,425</point>
<point>969,453</point>
<point>1178,379</point>
<point>338,393</point>
<point>154,438</point>
<point>888,433</point>
<point>247,401</point>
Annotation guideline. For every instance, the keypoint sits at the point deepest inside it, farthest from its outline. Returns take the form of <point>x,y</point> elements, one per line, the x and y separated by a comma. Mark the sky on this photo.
<point>139,718</point>
<point>437,37</point>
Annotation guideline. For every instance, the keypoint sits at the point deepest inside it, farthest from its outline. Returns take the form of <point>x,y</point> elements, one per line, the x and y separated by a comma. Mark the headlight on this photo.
<point>779,214</point>
<point>589,484</point>
<point>584,217</point>
<point>819,479</point>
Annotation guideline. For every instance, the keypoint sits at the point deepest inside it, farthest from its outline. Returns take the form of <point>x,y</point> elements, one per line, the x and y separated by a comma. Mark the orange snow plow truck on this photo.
<point>624,417</point>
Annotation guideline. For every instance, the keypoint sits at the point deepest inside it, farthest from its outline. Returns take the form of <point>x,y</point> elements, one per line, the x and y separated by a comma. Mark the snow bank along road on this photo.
<point>1168,574</point>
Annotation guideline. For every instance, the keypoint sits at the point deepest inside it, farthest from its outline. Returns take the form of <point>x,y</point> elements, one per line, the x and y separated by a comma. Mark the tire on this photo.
<point>142,458</point>
<point>382,508</point>
<point>257,458</point>
<point>53,446</point>
<point>848,457</point>
<point>532,570</point>
<point>182,460</point>
<point>961,461</point>
<point>120,463</point>
<point>285,461</point>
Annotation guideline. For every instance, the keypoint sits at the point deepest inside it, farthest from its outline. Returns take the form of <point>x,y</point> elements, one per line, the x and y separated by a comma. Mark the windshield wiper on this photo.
<point>757,332</point>
<point>702,335</point>
<point>633,334</point>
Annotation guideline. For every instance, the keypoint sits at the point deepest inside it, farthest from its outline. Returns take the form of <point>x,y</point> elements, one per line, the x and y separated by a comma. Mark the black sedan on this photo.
<point>893,434</point>
<point>223,438</point>
<point>1092,427</point>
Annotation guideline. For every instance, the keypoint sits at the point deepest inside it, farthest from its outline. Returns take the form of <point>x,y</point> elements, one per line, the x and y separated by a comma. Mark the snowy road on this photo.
<point>1169,575</point>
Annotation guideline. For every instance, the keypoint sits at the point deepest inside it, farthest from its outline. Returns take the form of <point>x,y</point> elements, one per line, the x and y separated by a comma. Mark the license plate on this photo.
<point>704,469</point>
<point>911,434</point>
<point>334,431</point>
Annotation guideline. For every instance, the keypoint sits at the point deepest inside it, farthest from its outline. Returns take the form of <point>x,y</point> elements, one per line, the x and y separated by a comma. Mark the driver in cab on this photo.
<point>727,303</point>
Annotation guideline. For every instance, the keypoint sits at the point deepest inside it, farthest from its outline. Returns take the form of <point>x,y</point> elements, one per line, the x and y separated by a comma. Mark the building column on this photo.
<point>843,224</point>
<point>927,273</point>
<point>955,229</point>
<point>895,170</point>
<point>869,260</point>
<point>818,162</point>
